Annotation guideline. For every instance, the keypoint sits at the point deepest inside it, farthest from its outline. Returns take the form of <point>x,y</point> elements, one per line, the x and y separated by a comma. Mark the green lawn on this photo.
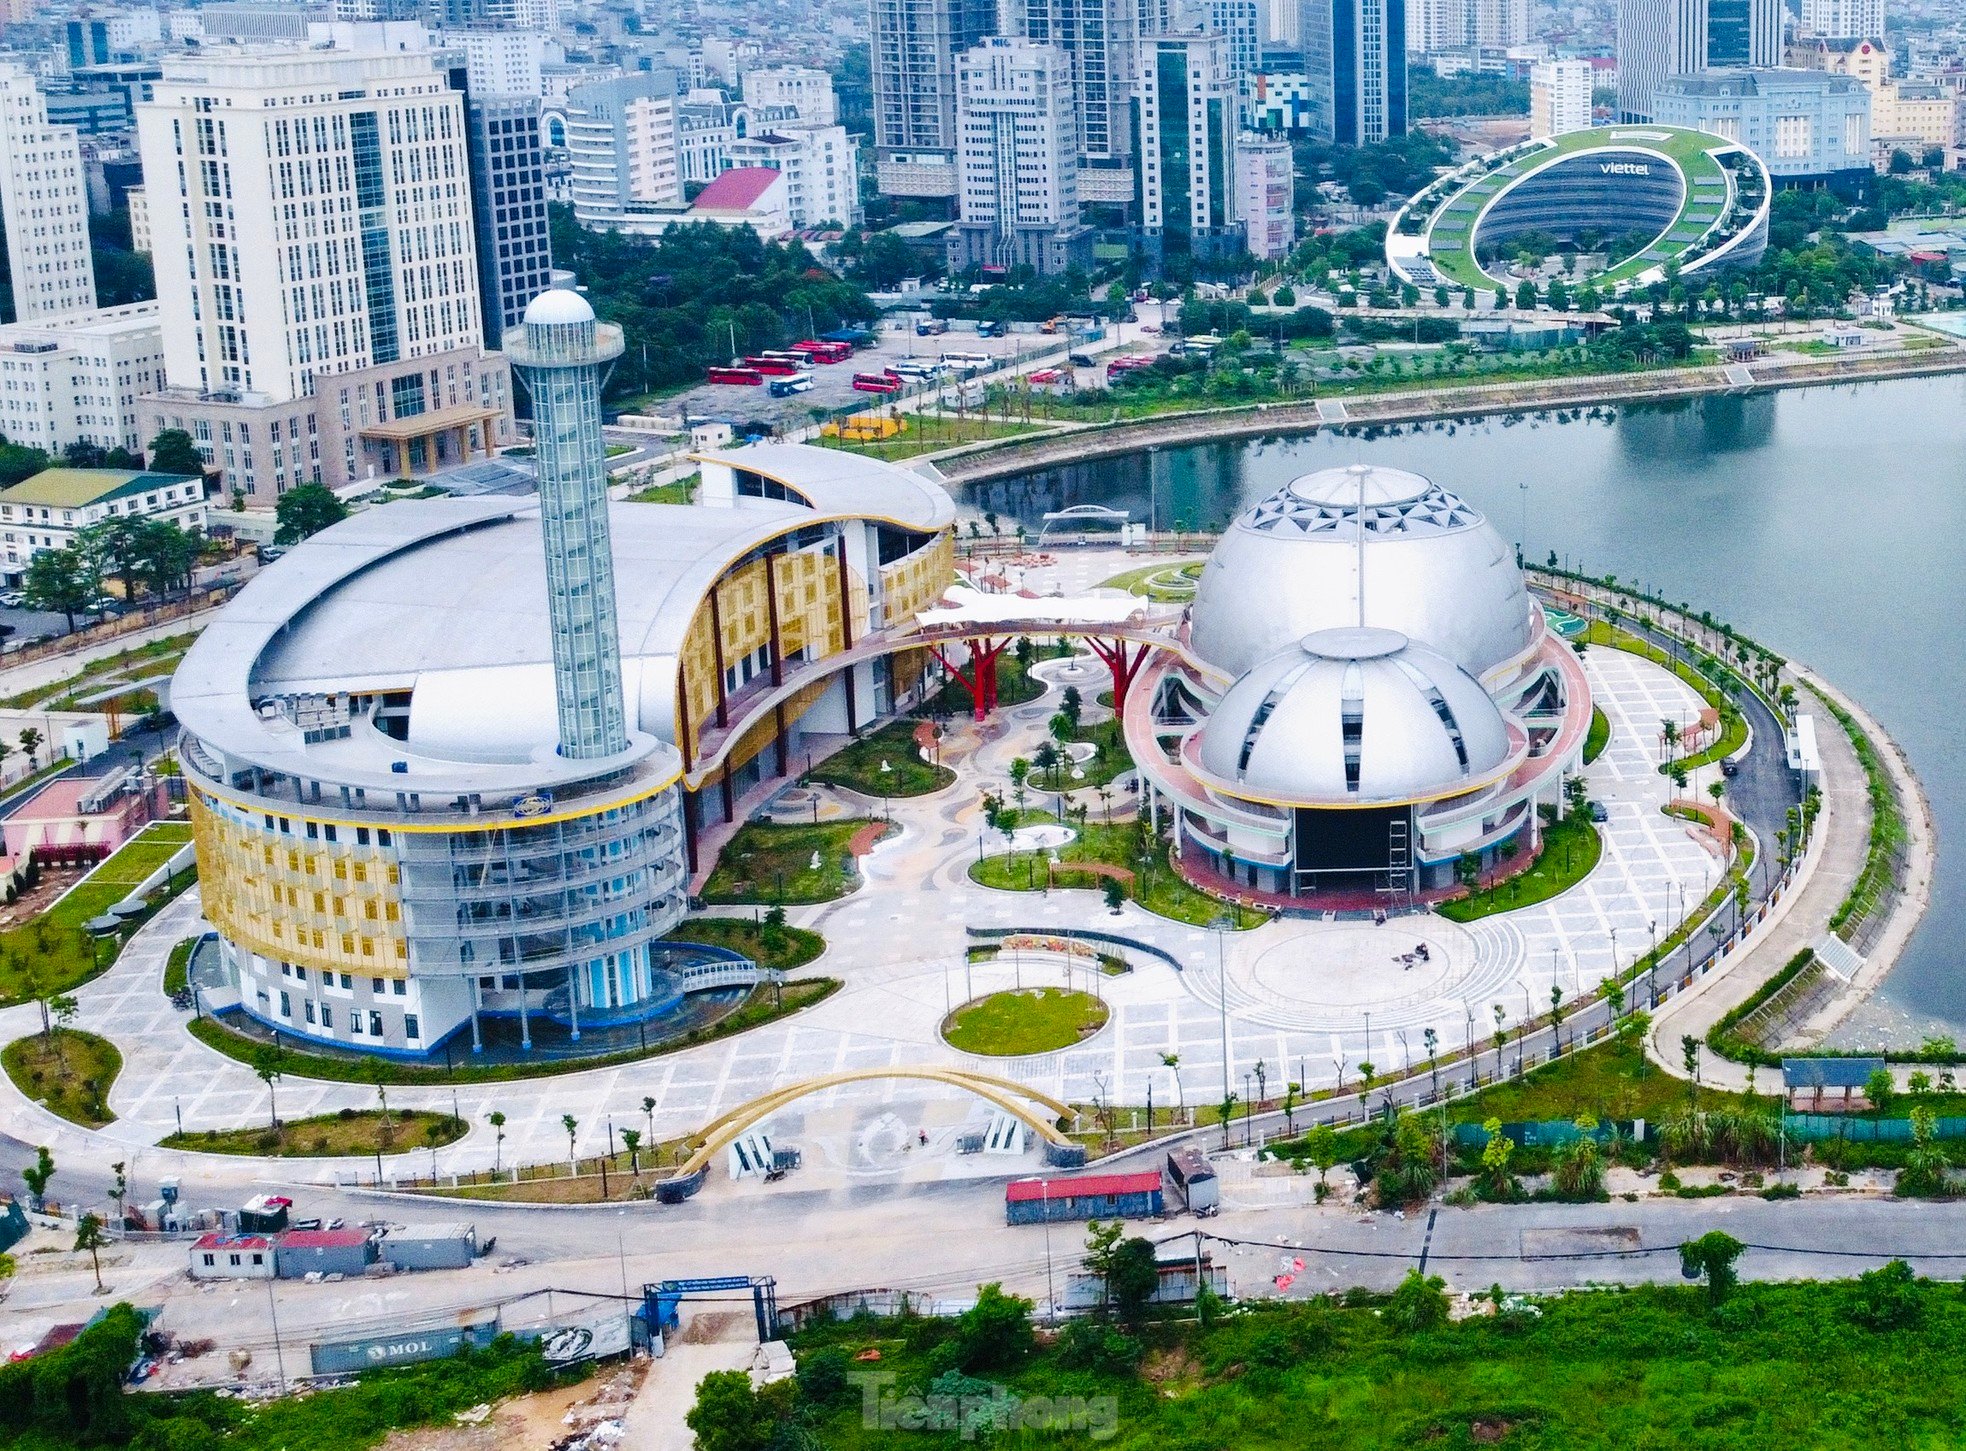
<point>1608,1081</point>
<point>858,765</point>
<point>330,1135</point>
<point>177,969</point>
<point>1028,1020</point>
<point>1014,687</point>
<point>52,953</point>
<point>925,433</point>
<point>69,1073</point>
<point>1158,887</point>
<point>783,948</point>
<point>1113,759</point>
<point>770,863</point>
<point>1599,736</point>
<point>1857,1368</point>
<point>764,1005</point>
<point>676,491</point>
<point>150,658</point>
<point>1170,581</point>
<point>1570,852</point>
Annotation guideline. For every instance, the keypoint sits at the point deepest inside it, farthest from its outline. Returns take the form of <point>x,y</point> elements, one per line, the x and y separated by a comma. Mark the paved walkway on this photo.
<point>1301,994</point>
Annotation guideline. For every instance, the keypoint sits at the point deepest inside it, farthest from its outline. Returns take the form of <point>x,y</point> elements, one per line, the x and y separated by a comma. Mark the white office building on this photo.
<point>1240,23</point>
<point>800,89</point>
<point>1105,40</point>
<point>77,378</point>
<point>1264,186</point>
<point>819,164</point>
<point>1442,27</point>
<point>622,147</point>
<point>1843,19</point>
<point>1559,97</point>
<point>1017,117</point>
<point>44,206</point>
<point>503,62</point>
<point>1660,38</point>
<point>311,226</point>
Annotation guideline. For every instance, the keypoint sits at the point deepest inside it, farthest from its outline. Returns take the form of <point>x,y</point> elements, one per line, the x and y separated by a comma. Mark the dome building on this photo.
<point>1368,695</point>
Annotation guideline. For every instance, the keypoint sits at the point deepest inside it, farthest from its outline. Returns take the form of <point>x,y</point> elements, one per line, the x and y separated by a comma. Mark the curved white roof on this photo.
<point>1363,546</point>
<point>1353,717</point>
<point>558,306</point>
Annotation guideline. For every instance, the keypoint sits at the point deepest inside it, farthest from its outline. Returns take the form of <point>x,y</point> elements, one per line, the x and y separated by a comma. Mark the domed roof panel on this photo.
<point>1362,546</point>
<point>1353,717</point>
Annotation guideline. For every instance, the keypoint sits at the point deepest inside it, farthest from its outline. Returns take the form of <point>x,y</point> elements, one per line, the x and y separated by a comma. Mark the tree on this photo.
<point>37,1176</point>
<point>1172,1063</point>
<point>995,1332</point>
<point>1115,892</point>
<point>375,1073</point>
<point>1927,1164</point>
<point>175,452</point>
<point>1321,1146</point>
<point>269,1065</point>
<point>1711,1257</point>
<point>62,581</point>
<point>1580,1164</point>
<point>306,510</point>
<point>1419,1303</point>
<point>497,1121</point>
<point>1881,1088</point>
<point>1410,1168</point>
<point>1525,295</point>
<point>1495,1156</point>
<point>572,1126</point>
<point>1133,1278</point>
<point>631,1139</point>
<point>30,742</point>
<point>1889,1297</point>
<point>731,1415</point>
<point>89,1236</point>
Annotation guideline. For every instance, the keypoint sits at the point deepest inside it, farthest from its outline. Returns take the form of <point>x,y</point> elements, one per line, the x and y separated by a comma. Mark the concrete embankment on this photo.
<point>1076,443</point>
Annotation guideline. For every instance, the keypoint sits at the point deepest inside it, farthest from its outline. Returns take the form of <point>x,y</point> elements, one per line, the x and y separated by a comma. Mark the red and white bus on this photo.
<point>877,382</point>
<point>816,351</point>
<point>774,367</point>
<point>746,377</point>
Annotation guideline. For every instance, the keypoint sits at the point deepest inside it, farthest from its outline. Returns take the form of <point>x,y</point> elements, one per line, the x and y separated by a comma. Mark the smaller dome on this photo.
<point>1358,486</point>
<point>557,307</point>
<point>1353,717</point>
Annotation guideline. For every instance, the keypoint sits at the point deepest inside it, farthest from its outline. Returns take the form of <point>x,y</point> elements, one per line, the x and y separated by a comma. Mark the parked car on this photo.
<point>1598,813</point>
<point>12,599</point>
<point>1728,767</point>
<point>1080,360</point>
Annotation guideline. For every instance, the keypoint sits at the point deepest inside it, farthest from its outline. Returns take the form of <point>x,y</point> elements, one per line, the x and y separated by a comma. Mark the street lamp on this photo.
<point>1044,1194</point>
<point>1221,926</point>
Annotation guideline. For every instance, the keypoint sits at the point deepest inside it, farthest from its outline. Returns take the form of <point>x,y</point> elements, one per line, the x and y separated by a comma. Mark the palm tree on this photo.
<point>89,1236</point>
<point>1172,1063</point>
<point>270,1064</point>
<point>376,1074</point>
<point>497,1121</point>
<point>648,1112</point>
<point>1669,733</point>
<point>572,1126</point>
<point>1501,1017</point>
<point>632,1140</point>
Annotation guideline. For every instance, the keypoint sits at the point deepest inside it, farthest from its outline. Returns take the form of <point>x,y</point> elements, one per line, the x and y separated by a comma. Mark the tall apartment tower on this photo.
<point>508,207</point>
<point>1240,23</point>
<point>1435,26</point>
<point>1185,128</point>
<point>559,351</point>
<point>1660,38</point>
<point>622,145</point>
<point>914,50</point>
<point>1105,39</point>
<point>1843,19</point>
<point>1559,97</point>
<point>1018,203</point>
<point>44,207</point>
<point>1355,64</point>
<point>311,226</point>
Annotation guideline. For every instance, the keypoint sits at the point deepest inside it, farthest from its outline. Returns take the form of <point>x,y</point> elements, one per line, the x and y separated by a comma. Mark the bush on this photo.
<point>994,1333</point>
<point>1420,1303</point>
<point>1102,1349</point>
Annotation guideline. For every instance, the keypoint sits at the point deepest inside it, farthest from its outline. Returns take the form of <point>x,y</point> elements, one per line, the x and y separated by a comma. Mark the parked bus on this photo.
<point>747,377</point>
<point>818,351</point>
<point>785,387</point>
<point>774,367</point>
<point>877,382</point>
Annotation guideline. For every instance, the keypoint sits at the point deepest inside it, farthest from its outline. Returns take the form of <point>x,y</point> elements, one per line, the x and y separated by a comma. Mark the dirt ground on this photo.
<point>535,1422</point>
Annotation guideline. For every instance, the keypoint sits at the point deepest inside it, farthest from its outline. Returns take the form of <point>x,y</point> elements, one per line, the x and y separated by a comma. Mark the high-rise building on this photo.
<point>801,89</point>
<point>914,49</point>
<point>1185,125</point>
<point>502,62</point>
<point>621,146</point>
<point>1436,27</point>
<point>311,228</point>
<point>1355,59</point>
<point>77,378</point>
<point>1843,19</point>
<point>1017,118</point>
<point>1104,39</point>
<point>1660,38</point>
<point>821,171</point>
<point>508,207</point>
<point>1805,125</point>
<point>1264,194</point>
<point>1240,23</point>
<point>44,207</point>
<point>1559,97</point>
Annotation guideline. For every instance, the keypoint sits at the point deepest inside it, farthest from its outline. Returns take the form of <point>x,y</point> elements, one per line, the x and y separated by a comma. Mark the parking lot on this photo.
<point>832,384</point>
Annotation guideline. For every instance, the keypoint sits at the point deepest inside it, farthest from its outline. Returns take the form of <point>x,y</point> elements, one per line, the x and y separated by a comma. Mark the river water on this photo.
<point>1828,523</point>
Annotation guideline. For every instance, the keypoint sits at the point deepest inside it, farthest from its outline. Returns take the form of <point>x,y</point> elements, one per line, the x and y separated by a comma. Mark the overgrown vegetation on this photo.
<point>67,1071</point>
<point>330,1135</point>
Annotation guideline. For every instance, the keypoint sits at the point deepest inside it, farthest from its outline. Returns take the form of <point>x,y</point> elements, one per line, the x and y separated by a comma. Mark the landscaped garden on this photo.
<point>884,762</point>
<point>67,1072</point>
<point>773,863</point>
<point>1733,725</point>
<point>1015,686</point>
<point>52,952</point>
<point>1169,583</point>
<point>1156,885</point>
<point>768,943</point>
<point>1571,848</point>
<point>330,1135</point>
<point>1599,735</point>
<point>1024,1021</point>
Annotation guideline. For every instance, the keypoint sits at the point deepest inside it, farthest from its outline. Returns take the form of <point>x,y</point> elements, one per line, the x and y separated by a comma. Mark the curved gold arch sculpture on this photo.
<point>1012,1097</point>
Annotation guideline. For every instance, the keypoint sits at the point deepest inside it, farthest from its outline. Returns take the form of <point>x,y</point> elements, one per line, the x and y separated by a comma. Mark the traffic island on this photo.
<point>1024,1021</point>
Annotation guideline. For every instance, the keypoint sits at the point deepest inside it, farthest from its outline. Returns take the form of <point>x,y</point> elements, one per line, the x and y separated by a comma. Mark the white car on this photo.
<point>12,599</point>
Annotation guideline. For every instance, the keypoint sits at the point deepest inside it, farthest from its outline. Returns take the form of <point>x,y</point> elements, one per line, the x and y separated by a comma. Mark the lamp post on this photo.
<point>1044,1194</point>
<point>1221,926</point>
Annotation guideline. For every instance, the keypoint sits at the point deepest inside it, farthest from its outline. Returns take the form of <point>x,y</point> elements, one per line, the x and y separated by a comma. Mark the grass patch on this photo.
<point>1610,1081</point>
<point>1571,849</point>
<point>69,1073</point>
<point>781,948</point>
<point>1028,1020</point>
<point>331,1135</point>
<point>676,491</point>
<point>857,766</point>
<point>764,1005</point>
<point>1888,835</point>
<point>771,863</point>
<point>1015,686</point>
<point>1599,736</point>
<point>148,658</point>
<point>177,969</point>
<point>1112,759</point>
<point>927,432</point>
<point>52,953</point>
<point>1170,581</point>
<point>1157,886</point>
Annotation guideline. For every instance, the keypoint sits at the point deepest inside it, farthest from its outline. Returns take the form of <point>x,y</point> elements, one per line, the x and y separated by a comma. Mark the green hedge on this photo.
<point>1721,1036</point>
